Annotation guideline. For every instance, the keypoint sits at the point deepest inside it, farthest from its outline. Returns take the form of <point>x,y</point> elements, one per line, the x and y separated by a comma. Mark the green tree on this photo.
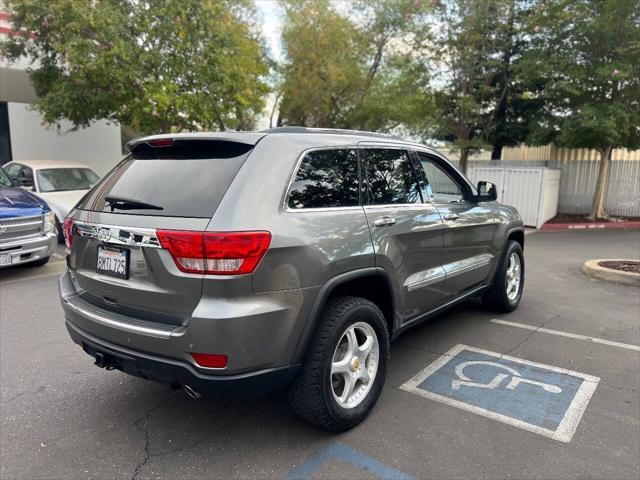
<point>585,64</point>
<point>154,65</point>
<point>514,106</point>
<point>478,99</point>
<point>350,69</point>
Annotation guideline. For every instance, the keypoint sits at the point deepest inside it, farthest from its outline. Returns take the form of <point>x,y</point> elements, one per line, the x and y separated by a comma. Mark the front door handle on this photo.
<point>451,216</point>
<point>384,221</point>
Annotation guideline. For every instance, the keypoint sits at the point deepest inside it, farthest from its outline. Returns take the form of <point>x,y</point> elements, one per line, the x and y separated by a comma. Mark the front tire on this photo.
<point>506,292</point>
<point>345,367</point>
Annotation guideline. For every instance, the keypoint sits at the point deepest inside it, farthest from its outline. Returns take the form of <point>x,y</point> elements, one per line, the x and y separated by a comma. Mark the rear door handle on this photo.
<point>451,216</point>
<point>384,221</point>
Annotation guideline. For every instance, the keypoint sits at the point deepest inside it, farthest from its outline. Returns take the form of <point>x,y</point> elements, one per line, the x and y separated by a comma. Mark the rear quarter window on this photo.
<point>184,180</point>
<point>326,179</point>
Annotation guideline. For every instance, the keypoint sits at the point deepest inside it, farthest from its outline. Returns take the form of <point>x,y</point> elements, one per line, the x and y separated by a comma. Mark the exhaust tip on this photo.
<point>191,392</point>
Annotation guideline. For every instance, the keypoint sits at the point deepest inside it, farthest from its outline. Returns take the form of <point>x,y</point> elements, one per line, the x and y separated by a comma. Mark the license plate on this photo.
<point>5,260</point>
<point>113,261</point>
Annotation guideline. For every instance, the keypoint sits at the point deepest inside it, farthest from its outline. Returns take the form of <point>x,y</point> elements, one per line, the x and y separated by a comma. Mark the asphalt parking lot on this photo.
<point>61,417</point>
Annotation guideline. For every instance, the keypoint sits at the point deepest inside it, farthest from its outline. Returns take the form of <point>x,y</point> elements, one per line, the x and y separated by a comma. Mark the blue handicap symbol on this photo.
<point>537,397</point>
<point>337,451</point>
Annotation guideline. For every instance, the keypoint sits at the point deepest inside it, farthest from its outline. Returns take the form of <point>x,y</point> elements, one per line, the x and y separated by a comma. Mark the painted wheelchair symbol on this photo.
<point>516,378</point>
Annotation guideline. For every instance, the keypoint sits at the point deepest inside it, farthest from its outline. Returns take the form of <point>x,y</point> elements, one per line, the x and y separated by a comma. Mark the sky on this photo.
<point>271,16</point>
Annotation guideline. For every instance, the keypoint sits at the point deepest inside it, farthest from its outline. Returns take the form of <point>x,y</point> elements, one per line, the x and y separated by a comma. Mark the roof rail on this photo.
<point>337,131</point>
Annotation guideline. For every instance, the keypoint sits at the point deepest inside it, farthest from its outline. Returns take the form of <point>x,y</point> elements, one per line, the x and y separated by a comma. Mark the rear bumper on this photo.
<point>259,335</point>
<point>30,249</point>
<point>177,374</point>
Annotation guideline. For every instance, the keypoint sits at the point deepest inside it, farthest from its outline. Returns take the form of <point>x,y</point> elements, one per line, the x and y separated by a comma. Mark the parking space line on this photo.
<point>337,451</point>
<point>561,333</point>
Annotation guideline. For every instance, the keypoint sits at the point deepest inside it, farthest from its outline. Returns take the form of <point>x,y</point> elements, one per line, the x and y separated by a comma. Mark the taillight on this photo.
<point>161,142</point>
<point>209,360</point>
<point>67,230</point>
<point>215,253</point>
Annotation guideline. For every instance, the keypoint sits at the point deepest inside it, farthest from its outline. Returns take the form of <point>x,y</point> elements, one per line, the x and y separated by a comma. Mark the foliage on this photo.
<point>478,101</point>
<point>585,60</point>
<point>154,65</point>
<point>351,70</point>
<point>585,63</point>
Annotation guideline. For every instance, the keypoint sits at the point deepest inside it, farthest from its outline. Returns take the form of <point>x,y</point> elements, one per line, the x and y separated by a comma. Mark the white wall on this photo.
<point>97,146</point>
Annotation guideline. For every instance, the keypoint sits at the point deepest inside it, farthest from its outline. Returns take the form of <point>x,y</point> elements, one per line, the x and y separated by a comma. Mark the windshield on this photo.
<point>5,181</point>
<point>61,179</point>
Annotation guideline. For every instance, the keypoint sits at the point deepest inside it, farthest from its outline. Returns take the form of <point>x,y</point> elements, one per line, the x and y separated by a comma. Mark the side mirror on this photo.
<point>24,181</point>
<point>487,192</point>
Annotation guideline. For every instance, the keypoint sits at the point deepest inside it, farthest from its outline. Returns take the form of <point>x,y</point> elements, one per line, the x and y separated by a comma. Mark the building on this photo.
<point>25,136</point>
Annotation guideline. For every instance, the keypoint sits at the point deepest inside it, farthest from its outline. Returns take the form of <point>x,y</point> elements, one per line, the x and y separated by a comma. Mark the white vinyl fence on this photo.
<point>533,191</point>
<point>578,183</point>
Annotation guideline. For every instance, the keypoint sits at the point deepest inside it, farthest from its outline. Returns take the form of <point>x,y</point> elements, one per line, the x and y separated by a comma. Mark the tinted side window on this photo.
<point>440,187</point>
<point>390,177</point>
<point>326,178</point>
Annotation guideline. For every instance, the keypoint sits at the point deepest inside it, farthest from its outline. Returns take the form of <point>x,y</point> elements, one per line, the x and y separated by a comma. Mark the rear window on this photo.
<point>188,179</point>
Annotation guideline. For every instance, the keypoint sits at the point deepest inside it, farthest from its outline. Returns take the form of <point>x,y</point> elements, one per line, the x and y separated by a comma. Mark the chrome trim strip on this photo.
<point>17,226</point>
<point>321,209</point>
<point>118,324</point>
<point>413,206</point>
<point>117,235</point>
<point>25,242</point>
<point>454,269</point>
<point>424,278</point>
<point>10,222</point>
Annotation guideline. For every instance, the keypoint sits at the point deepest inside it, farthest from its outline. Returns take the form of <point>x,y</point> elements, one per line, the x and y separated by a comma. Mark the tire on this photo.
<point>313,394</point>
<point>39,262</point>
<point>500,296</point>
<point>59,231</point>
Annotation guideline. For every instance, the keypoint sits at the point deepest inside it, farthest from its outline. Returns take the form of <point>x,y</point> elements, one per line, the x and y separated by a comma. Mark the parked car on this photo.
<point>245,263</point>
<point>27,226</point>
<point>59,183</point>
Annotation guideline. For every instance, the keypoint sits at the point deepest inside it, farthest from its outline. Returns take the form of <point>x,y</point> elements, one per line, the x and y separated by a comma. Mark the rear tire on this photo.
<point>508,284</point>
<point>346,366</point>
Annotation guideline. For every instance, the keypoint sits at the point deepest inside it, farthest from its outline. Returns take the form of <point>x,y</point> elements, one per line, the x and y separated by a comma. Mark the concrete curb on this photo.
<point>594,270</point>
<point>590,226</point>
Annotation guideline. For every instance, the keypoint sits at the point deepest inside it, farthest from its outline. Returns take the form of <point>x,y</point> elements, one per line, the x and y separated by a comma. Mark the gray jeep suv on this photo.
<point>244,263</point>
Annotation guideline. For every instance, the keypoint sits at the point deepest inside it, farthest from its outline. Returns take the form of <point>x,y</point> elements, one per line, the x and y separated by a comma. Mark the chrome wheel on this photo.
<point>514,274</point>
<point>354,365</point>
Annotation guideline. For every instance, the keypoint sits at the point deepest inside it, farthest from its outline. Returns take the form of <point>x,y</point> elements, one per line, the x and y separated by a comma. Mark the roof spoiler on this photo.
<point>171,139</point>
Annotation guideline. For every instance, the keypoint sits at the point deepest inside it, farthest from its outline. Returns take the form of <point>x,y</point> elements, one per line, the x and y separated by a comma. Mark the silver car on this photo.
<point>240,264</point>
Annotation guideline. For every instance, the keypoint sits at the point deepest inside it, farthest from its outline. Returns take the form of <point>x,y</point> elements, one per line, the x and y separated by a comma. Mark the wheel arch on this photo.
<point>516,234</point>
<point>372,283</point>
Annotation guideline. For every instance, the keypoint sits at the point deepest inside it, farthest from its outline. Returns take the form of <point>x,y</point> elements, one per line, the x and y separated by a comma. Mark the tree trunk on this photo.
<point>504,84</point>
<point>496,153</point>
<point>597,210</point>
<point>464,157</point>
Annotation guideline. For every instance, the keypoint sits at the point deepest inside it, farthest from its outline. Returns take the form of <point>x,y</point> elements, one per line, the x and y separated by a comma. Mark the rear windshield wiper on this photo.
<point>122,203</point>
